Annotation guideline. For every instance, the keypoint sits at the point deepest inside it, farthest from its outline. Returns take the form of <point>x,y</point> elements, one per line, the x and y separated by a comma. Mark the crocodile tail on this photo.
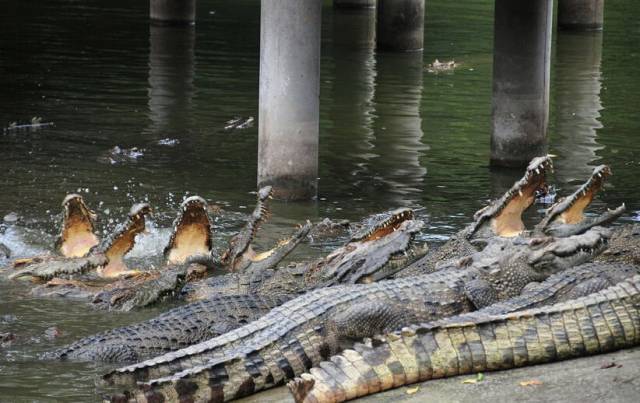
<point>598,323</point>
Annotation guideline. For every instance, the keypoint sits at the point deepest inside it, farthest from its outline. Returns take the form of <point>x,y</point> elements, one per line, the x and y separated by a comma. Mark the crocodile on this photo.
<point>202,320</point>
<point>190,256</point>
<point>5,252</point>
<point>105,259</point>
<point>310,328</point>
<point>77,232</point>
<point>375,252</point>
<point>500,218</point>
<point>566,217</point>
<point>503,217</point>
<point>624,245</point>
<point>602,321</point>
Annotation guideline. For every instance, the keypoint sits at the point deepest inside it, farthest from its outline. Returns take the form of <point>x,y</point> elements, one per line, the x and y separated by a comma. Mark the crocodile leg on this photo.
<point>598,323</point>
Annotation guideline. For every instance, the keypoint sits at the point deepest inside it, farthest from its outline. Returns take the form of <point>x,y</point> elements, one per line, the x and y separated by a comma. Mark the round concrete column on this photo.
<point>580,14</point>
<point>520,104</point>
<point>289,103</point>
<point>176,12</point>
<point>400,25</point>
<point>354,3</point>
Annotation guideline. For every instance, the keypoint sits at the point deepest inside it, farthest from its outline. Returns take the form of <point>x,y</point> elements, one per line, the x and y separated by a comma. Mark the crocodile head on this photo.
<point>566,217</point>
<point>239,250</point>
<point>375,253</point>
<point>77,235</point>
<point>191,234</point>
<point>509,265</point>
<point>503,217</point>
<point>379,225</point>
<point>123,240</point>
<point>106,258</point>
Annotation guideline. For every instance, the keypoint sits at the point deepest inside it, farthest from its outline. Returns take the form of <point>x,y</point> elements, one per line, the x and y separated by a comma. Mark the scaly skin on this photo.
<point>304,331</point>
<point>233,306</point>
<point>105,259</point>
<point>501,218</point>
<point>624,245</point>
<point>369,257</point>
<point>601,322</point>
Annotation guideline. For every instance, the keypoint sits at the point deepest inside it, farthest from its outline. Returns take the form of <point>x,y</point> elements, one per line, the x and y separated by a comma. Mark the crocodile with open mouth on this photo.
<point>302,332</point>
<point>587,318</point>
<point>105,259</point>
<point>502,218</point>
<point>190,255</point>
<point>253,293</point>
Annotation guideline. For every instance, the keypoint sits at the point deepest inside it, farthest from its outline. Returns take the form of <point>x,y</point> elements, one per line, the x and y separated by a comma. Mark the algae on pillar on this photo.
<point>173,11</point>
<point>289,103</point>
<point>520,104</point>
<point>400,25</point>
<point>580,14</point>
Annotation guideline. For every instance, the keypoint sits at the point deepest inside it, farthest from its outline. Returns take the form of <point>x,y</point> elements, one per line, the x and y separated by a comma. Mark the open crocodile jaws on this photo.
<point>503,217</point>
<point>604,321</point>
<point>191,235</point>
<point>308,329</point>
<point>77,235</point>
<point>566,217</point>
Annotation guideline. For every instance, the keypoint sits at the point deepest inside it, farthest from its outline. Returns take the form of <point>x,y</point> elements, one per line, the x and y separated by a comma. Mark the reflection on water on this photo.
<point>577,85</point>
<point>398,126</point>
<point>171,72</point>
<point>391,134</point>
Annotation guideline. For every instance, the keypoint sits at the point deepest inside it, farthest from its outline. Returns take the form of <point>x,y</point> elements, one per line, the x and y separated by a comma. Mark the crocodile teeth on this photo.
<point>537,171</point>
<point>520,193</point>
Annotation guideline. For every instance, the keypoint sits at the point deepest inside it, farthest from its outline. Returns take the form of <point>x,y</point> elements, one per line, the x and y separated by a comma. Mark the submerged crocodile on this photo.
<point>106,259</point>
<point>302,332</point>
<point>247,298</point>
<point>602,321</point>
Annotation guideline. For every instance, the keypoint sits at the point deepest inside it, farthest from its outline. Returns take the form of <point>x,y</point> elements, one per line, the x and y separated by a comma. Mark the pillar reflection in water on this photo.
<point>171,71</point>
<point>577,102</point>
<point>398,126</point>
<point>352,89</point>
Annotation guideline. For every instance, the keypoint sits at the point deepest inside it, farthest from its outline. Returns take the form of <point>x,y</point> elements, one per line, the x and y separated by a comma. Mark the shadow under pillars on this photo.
<point>351,105</point>
<point>171,72</point>
<point>398,127</point>
<point>577,84</point>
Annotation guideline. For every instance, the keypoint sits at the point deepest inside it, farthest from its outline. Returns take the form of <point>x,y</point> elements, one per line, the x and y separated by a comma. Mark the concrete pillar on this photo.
<point>354,3</point>
<point>520,104</point>
<point>576,93</point>
<point>171,72</point>
<point>580,14</point>
<point>174,12</point>
<point>289,103</point>
<point>400,25</point>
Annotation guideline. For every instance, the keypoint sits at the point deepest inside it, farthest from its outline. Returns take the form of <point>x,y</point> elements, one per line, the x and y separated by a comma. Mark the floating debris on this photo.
<point>442,67</point>
<point>168,142</point>
<point>117,155</point>
<point>35,124</point>
<point>239,123</point>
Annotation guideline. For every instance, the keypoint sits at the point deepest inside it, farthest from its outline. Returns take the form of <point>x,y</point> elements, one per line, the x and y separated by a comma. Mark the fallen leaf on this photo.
<point>480,377</point>
<point>470,381</point>
<point>532,382</point>
<point>609,364</point>
<point>411,391</point>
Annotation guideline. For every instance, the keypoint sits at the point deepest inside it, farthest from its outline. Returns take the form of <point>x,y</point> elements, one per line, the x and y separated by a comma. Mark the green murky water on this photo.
<point>391,134</point>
